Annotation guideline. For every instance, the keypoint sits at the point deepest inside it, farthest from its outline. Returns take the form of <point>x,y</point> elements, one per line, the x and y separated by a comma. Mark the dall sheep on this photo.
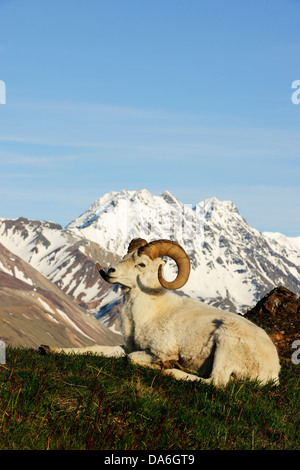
<point>162,329</point>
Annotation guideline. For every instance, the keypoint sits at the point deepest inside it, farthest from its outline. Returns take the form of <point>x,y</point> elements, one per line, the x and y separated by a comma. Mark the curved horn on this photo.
<point>136,243</point>
<point>176,252</point>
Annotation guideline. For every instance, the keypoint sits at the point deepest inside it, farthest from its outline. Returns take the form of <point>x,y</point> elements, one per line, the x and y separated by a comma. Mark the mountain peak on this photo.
<point>214,207</point>
<point>232,263</point>
<point>169,197</point>
<point>214,202</point>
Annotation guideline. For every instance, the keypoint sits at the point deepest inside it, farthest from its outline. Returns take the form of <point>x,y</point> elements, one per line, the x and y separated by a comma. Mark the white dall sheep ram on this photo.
<point>162,328</point>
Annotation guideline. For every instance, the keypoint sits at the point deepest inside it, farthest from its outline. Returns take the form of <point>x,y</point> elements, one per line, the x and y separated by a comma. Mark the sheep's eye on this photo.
<point>142,265</point>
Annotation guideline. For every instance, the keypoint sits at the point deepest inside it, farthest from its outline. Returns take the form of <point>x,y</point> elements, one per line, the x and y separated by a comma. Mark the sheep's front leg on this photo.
<point>108,351</point>
<point>181,375</point>
<point>144,358</point>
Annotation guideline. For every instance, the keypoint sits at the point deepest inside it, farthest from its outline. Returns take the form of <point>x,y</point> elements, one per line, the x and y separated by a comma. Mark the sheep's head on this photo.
<point>143,262</point>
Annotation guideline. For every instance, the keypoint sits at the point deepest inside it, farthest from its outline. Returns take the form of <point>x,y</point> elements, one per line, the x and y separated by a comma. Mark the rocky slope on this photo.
<point>63,257</point>
<point>278,312</point>
<point>33,310</point>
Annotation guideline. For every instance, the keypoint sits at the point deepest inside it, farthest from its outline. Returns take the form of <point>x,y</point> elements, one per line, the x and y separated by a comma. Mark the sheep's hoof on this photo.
<point>164,365</point>
<point>169,364</point>
<point>44,350</point>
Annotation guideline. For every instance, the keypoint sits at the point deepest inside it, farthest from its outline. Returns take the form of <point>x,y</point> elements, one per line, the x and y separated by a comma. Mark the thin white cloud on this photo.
<point>12,176</point>
<point>10,158</point>
<point>108,110</point>
<point>149,131</point>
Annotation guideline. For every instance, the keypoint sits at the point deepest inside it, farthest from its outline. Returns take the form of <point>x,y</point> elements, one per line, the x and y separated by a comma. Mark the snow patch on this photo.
<point>67,319</point>
<point>45,305</point>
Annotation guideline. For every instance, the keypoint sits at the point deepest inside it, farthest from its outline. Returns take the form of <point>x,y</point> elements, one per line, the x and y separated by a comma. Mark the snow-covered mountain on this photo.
<point>233,264</point>
<point>288,247</point>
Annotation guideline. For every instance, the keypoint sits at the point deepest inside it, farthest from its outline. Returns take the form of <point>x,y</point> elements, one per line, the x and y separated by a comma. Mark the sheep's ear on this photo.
<point>135,244</point>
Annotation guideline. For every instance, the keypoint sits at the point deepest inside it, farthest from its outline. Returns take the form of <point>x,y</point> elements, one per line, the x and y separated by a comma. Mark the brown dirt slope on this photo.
<point>33,310</point>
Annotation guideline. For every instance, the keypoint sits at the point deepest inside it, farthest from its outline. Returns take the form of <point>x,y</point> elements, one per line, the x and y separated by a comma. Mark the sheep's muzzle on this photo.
<point>102,272</point>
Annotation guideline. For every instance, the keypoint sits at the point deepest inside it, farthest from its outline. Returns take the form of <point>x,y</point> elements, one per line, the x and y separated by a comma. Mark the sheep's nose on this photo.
<point>111,270</point>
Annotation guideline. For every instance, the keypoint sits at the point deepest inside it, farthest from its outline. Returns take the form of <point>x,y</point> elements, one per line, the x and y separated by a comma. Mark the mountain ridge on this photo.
<point>233,264</point>
<point>239,263</point>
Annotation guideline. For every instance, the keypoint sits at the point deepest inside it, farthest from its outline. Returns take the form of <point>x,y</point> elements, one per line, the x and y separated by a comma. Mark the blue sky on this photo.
<point>191,96</point>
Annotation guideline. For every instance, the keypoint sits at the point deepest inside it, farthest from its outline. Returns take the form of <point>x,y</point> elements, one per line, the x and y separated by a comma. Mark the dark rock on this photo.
<point>278,313</point>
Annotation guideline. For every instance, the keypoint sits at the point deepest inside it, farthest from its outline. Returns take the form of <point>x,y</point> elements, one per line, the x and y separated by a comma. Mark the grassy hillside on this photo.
<point>87,402</point>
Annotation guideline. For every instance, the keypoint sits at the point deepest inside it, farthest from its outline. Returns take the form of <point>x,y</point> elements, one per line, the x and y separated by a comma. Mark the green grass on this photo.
<point>89,402</point>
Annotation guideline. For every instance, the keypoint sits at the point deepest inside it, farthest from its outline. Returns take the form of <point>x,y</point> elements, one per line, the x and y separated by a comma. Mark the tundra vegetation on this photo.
<point>83,400</point>
<point>61,401</point>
